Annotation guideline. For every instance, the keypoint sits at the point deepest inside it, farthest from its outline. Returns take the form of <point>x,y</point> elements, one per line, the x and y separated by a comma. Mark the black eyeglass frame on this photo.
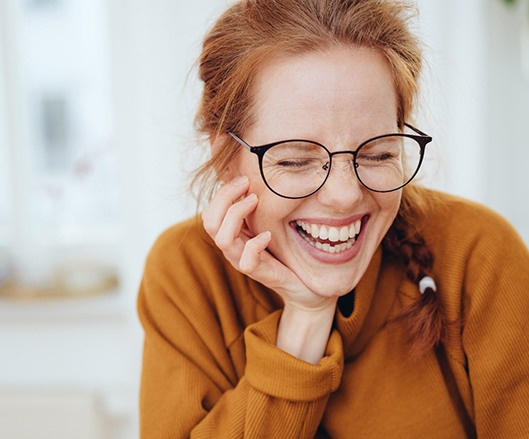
<point>421,138</point>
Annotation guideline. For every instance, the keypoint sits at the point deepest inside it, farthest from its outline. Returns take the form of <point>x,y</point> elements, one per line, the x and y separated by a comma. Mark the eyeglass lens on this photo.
<point>299,168</point>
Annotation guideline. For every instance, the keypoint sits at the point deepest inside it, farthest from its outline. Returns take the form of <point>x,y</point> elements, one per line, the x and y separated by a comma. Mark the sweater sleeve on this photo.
<point>194,386</point>
<point>496,328</point>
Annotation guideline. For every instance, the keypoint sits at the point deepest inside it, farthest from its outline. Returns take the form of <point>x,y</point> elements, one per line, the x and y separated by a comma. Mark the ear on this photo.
<point>217,145</point>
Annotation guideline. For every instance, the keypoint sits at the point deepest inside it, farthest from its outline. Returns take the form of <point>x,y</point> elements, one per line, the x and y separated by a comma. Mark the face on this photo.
<point>340,98</point>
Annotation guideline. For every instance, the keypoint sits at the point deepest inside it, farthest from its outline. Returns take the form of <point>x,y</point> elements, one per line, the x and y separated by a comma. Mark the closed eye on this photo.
<point>296,163</point>
<point>377,157</point>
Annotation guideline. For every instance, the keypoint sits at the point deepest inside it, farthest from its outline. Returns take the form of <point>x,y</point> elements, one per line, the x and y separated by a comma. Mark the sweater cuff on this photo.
<point>274,372</point>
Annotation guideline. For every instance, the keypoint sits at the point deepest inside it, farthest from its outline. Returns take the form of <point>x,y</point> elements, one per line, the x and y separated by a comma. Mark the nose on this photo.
<point>342,190</point>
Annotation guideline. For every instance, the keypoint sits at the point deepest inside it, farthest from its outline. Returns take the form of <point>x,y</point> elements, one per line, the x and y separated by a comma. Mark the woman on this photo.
<point>320,294</point>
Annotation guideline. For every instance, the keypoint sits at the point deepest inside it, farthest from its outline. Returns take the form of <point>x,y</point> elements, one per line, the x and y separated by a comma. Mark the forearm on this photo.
<point>305,334</point>
<point>248,412</point>
<point>280,396</point>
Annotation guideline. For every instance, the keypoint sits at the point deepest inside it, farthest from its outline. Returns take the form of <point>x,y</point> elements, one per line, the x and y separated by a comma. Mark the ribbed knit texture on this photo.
<point>211,368</point>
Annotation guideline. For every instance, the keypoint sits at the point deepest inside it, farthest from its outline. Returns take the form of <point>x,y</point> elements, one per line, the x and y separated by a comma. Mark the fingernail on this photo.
<point>250,198</point>
<point>241,180</point>
<point>265,236</point>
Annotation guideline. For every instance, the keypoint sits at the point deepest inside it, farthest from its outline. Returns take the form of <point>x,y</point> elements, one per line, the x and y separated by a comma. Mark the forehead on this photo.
<point>345,90</point>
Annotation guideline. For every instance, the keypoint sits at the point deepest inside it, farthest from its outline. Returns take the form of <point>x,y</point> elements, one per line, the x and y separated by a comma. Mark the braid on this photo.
<point>424,318</point>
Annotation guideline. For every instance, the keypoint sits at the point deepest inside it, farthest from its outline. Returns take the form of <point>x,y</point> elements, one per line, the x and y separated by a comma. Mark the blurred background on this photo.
<point>97,99</point>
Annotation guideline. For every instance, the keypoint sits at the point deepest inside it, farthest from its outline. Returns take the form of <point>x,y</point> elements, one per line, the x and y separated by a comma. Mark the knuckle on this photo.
<point>234,209</point>
<point>227,193</point>
<point>220,242</point>
<point>249,261</point>
<point>246,266</point>
<point>252,247</point>
<point>243,267</point>
<point>208,225</point>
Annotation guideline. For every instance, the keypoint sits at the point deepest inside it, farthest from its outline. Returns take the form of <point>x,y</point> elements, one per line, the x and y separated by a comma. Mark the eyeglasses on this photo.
<point>299,168</point>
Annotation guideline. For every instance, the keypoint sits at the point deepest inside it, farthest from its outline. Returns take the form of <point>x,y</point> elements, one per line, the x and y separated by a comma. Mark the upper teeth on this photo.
<point>333,234</point>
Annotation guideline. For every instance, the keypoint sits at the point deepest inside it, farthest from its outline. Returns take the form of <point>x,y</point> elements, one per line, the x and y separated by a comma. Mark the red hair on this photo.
<point>250,32</point>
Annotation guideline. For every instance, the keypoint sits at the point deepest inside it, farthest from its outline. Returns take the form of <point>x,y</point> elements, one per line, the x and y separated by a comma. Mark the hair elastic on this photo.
<point>425,283</point>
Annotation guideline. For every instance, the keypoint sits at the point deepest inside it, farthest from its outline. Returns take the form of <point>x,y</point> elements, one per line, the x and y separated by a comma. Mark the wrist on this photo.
<point>305,333</point>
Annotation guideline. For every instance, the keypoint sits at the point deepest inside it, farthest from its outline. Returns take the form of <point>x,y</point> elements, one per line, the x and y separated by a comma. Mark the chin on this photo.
<point>331,288</point>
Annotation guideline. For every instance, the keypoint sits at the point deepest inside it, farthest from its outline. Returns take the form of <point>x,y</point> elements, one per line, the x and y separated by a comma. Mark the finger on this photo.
<point>257,263</point>
<point>230,228</point>
<point>215,211</point>
<point>251,260</point>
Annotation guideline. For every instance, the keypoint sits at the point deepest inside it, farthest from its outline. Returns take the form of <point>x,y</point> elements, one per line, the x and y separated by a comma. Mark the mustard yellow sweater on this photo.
<point>211,368</point>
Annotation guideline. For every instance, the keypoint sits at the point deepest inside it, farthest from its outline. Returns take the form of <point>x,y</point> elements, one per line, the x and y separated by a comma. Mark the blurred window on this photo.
<point>43,3</point>
<point>5,200</point>
<point>4,191</point>
<point>63,198</point>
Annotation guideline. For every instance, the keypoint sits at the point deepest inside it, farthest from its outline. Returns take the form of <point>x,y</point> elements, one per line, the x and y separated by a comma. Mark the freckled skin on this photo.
<point>339,98</point>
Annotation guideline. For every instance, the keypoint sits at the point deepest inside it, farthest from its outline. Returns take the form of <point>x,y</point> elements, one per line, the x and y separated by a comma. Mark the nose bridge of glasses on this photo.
<point>342,160</point>
<point>342,187</point>
<point>341,173</point>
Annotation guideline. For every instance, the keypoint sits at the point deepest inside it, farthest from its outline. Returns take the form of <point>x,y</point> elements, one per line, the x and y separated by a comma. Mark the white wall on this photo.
<point>87,352</point>
<point>506,172</point>
<point>477,104</point>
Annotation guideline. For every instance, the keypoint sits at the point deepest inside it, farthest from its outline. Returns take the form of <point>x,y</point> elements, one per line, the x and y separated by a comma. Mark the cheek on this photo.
<point>389,204</point>
<point>271,214</point>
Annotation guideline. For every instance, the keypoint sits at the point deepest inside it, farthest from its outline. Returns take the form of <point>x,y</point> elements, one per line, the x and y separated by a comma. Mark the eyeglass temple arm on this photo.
<point>238,139</point>
<point>411,127</point>
<point>243,143</point>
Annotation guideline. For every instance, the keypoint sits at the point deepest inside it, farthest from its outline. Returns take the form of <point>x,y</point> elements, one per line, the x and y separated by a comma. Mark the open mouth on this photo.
<point>328,238</point>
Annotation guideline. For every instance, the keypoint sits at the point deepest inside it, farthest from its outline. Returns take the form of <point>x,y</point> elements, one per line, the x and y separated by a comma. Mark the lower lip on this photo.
<point>332,258</point>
